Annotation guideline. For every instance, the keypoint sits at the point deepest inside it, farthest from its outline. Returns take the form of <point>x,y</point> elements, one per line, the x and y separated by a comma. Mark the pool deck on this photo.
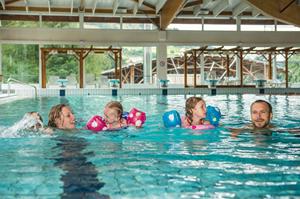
<point>19,92</point>
<point>5,98</point>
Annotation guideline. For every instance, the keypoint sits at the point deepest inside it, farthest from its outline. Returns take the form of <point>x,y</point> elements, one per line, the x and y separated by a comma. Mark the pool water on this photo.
<point>152,162</point>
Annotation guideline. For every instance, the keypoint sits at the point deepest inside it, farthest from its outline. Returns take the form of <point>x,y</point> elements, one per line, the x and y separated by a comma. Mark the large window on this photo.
<point>19,24</point>
<point>21,62</point>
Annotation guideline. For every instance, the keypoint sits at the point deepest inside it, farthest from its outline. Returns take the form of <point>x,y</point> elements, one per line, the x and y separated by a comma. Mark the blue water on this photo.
<point>152,162</point>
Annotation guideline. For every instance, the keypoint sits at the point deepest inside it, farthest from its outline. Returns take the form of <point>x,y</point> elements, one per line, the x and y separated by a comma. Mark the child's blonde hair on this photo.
<point>117,106</point>
<point>190,103</point>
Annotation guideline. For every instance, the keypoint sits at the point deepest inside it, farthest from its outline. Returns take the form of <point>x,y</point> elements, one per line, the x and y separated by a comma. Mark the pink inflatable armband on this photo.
<point>136,118</point>
<point>201,127</point>
<point>96,123</point>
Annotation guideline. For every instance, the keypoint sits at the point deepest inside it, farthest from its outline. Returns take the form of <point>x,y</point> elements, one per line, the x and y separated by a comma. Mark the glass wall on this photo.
<point>21,62</point>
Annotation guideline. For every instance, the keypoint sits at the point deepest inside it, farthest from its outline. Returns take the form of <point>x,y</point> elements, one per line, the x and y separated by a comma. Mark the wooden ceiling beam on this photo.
<point>169,12</point>
<point>273,8</point>
<point>11,2</point>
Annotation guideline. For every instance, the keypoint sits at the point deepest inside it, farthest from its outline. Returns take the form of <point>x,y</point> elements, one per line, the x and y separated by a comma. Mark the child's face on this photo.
<point>111,115</point>
<point>200,110</point>
<point>38,120</point>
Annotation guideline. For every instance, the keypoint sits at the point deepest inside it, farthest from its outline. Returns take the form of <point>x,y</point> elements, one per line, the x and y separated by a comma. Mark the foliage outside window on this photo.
<point>20,62</point>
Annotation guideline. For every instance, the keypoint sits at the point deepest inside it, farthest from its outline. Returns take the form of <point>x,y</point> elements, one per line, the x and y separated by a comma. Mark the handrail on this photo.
<point>20,82</point>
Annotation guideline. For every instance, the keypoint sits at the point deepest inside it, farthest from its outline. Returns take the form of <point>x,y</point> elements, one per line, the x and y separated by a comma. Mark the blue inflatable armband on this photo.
<point>125,115</point>
<point>172,119</point>
<point>213,115</point>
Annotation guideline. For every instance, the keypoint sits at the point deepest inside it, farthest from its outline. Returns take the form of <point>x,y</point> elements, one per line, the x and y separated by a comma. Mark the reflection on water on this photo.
<point>80,177</point>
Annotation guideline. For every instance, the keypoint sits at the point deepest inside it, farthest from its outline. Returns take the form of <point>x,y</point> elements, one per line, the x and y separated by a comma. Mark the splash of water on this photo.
<point>28,125</point>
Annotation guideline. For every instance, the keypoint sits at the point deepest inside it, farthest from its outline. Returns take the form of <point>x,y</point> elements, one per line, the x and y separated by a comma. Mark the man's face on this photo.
<point>260,115</point>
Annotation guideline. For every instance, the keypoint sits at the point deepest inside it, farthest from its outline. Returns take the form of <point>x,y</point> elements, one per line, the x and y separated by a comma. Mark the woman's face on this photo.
<point>199,110</point>
<point>66,120</point>
<point>111,115</point>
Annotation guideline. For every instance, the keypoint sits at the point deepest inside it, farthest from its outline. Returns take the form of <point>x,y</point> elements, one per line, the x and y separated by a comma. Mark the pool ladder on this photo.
<point>10,79</point>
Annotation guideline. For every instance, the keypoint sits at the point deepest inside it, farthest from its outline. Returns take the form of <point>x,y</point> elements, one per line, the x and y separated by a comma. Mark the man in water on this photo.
<point>261,114</point>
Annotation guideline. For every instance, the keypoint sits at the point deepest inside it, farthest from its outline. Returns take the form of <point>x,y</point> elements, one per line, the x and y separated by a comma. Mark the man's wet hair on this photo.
<point>263,101</point>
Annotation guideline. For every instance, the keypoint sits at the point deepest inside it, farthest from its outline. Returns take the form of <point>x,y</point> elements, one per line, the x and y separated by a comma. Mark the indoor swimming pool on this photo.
<point>152,162</point>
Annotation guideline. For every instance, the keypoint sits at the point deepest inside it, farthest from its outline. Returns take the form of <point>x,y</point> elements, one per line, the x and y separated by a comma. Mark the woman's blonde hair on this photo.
<point>117,106</point>
<point>190,103</point>
<point>55,113</point>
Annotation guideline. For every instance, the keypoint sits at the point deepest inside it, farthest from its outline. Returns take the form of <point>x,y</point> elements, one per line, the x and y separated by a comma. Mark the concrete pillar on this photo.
<point>1,77</point>
<point>81,20</point>
<point>238,69</point>
<point>274,68</point>
<point>0,59</point>
<point>147,66</point>
<point>161,62</point>
<point>121,22</point>
<point>40,65</point>
<point>40,21</point>
<point>265,71</point>
<point>238,24</point>
<point>202,75</point>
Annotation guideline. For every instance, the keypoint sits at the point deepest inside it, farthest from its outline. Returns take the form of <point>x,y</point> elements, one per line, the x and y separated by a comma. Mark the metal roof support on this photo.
<point>239,9</point>
<point>115,6</point>
<point>3,4</point>
<point>72,5</point>
<point>140,2</point>
<point>255,13</point>
<point>135,9</point>
<point>220,7</point>
<point>26,5</point>
<point>159,5</point>
<point>95,6</point>
<point>49,6</point>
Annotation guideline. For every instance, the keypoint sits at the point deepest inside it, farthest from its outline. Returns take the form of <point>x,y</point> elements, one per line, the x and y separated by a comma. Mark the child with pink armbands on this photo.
<point>115,119</point>
<point>113,112</point>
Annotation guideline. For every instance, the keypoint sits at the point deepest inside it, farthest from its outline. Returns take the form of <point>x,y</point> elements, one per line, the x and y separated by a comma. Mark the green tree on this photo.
<point>294,69</point>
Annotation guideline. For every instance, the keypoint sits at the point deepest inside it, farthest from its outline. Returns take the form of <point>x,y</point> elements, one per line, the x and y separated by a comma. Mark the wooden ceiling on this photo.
<point>159,12</point>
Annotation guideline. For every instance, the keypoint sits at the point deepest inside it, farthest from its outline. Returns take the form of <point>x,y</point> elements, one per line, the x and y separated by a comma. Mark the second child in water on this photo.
<point>113,112</point>
<point>195,112</point>
<point>115,119</point>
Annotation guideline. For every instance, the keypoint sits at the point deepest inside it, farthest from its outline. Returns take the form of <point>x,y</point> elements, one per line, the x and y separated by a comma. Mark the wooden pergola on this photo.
<point>267,53</point>
<point>80,54</point>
